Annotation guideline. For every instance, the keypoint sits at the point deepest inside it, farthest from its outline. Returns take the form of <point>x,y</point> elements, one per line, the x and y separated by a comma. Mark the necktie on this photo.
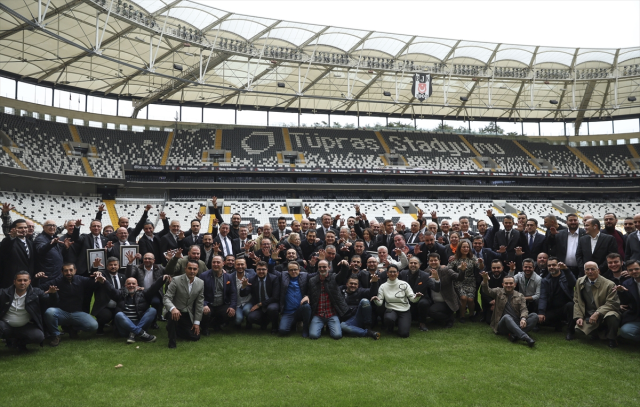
<point>530,242</point>
<point>115,282</point>
<point>226,247</point>
<point>96,244</point>
<point>412,237</point>
<point>26,246</point>
<point>507,233</point>
<point>263,291</point>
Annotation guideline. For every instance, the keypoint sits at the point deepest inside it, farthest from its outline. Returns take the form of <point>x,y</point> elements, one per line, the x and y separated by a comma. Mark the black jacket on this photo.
<point>557,243</point>
<point>102,297</point>
<point>142,299</point>
<point>567,283</point>
<point>331,287</point>
<point>228,292</point>
<point>149,246</point>
<point>14,258</point>
<point>500,239</point>
<point>36,303</point>
<point>632,299</point>
<point>353,299</point>
<point>80,247</point>
<point>422,284</point>
<point>272,288</point>
<point>606,244</point>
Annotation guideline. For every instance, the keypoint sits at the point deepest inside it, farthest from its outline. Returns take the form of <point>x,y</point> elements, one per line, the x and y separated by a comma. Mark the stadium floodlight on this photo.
<point>464,98</point>
<point>631,98</point>
<point>281,84</point>
<point>553,102</point>
<point>177,67</point>
<point>386,93</point>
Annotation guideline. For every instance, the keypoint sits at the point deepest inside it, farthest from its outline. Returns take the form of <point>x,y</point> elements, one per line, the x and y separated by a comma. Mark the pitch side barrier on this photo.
<point>413,171</point>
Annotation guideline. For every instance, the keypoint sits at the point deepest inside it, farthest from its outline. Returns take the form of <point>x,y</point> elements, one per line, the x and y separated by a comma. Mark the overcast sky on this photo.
<point>578,23</point>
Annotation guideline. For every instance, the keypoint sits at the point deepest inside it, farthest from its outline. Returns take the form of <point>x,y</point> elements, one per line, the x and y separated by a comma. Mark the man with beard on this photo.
<point>357,249</point>
<point>234,230</point>
<point>610,222</point>
<point>632,250</point>
<point>556,297</point>
<point>145,275</point>
<point>326,303</point>
<point>291,257</point>
<point>352,269</point>
<point>207,250</point>
<point>421,282</point>
<point>135,316</point>
<point>177,265</point>
<point>357,321</point>
<point>629,293</point>
<point>628,226</point>
<point>564,243</point>
<point>219,297</point>
<point>265,298</point>
<point>243,303</point>
<point>71,292</point>
<point>150,241</point>
<point>423,250</point>
<point>541,265</point>
<point>496,276</point>
<point>104,309</point>
<point>310,246</point>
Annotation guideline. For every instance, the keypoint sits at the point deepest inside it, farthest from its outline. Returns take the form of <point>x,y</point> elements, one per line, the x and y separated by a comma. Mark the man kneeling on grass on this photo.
<point>137,316</point>
<point>510,307</point>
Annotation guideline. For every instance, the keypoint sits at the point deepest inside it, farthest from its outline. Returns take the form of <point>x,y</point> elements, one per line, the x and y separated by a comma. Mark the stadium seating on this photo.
<point>41,145</point>
<point>610,159</point>
<point>338,149</point>
<point>116,148</point>
<point>560,157</point>
<point>188,146</point>
<point>253,146</point>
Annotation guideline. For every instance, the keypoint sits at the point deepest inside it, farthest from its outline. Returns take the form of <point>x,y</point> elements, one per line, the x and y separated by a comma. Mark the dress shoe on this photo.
<point>55,341</point>
<point>172,344</point>
<point>449,324</point>
<point>274,332</point>
<point>536,328</point>
<point>570,336</point>
<point>462,320</point>
<point>155,326</point>
<point>613,343</point>
<point>530,342</point>
<point>512,338</point>
<point>424,328</point>
<point>373,334</point>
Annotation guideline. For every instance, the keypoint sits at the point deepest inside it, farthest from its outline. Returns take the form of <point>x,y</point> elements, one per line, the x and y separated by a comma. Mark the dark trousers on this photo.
<point>487,312</point>
<point>507,325</point>
<point>440,312</point>
<point>28,333</point>
<point>215,318</point>
<point>555,316</point>
<point>377,312</point>
<point>263,315</point>
<point>180,328</point>
<point>105,316</point>
<point>403,319</point>
<point>420,310</point>
<point>609,325</point>
<point>532,306</point>
<point>156,303</point>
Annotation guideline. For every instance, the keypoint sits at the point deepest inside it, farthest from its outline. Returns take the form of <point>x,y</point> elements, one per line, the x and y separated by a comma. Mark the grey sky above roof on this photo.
<point>554,23</point>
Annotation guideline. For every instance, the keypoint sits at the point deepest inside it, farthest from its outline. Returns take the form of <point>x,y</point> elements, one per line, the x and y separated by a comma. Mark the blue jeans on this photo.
<point>80,321</point>
<point>354,325</point>
<point>125,326</point>
<point>631,330</point>
<point>241,312</point>
<point>315,329</point>
<point>303,313</point>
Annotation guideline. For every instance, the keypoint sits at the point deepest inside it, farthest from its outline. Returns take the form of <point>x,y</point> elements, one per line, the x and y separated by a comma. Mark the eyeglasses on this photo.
<point>50,225</point>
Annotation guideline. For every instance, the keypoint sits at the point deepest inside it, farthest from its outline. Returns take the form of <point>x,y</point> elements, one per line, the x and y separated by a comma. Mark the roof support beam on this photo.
<point>49,15</point>
<point>586,98</point>
<point>255,78</point>
<point>515,101</point>
<point>177,84</point>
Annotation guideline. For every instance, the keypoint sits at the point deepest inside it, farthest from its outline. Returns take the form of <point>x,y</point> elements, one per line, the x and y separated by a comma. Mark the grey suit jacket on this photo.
<point>178,296</point>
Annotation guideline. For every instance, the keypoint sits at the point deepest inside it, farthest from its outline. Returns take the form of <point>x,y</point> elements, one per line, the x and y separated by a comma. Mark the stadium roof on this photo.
<point>157,51</point>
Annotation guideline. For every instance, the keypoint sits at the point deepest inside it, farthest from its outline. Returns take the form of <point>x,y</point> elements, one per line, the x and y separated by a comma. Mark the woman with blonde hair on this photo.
<point>464,262</point>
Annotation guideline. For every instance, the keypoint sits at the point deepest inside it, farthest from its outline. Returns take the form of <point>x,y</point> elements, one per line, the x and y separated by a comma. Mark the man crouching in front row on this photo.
<point>510,307</point>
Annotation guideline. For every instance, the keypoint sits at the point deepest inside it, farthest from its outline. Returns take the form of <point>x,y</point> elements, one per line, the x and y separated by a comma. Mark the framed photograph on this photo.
<point>131,249</point>
<point>93,254</point>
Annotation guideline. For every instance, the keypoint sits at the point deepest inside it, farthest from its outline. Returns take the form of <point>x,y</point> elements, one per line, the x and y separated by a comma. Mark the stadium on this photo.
<point>160,104</point>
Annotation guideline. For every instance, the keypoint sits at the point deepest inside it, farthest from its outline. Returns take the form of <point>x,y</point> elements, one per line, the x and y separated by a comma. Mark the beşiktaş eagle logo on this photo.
<point>421,88</point>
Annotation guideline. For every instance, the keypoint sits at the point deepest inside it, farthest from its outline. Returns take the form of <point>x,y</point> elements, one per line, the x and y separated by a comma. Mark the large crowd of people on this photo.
<point>350,274</point>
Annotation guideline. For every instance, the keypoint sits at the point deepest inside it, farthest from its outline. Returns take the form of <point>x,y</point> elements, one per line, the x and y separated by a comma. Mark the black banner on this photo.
<point>421,88</point>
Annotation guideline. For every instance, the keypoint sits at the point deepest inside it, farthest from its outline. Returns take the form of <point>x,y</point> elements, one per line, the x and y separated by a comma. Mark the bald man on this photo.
<point>596,305</point>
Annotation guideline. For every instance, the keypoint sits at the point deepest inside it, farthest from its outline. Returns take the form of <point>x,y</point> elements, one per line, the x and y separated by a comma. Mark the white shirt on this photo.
<point>17,314</point>
<point>148,277</point>
<point>572,246</point>
<point>594,242</point>
<point>97,242</point>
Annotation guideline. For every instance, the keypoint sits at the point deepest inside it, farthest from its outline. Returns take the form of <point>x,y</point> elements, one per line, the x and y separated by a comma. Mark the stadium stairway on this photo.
<point>476,161</point>
<point>20,215</point>
<point>385,146</point>
<point>111,209</point>
<point>533,158</point>
<point>85,162</point>
<point>167,149</point>
<point>7,150</point>
<point>585,160</point>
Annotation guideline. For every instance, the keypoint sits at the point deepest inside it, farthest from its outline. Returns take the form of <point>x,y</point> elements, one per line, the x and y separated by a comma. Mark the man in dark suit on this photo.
<point>385,238</point>
<point>192,236</point>
<point>556,297</point>
<point>104,308</point>
<point>243,304</point>
<point>132,233</point>
<point>171,240</point>
<point>238,244</point>
<point>219,297</point>
<point>420,282</point>
<point>413,236</point>
<point>630,300</point>
<point>122,241</point>
<point>509,237</point>
<point>223,241</point>
<point>445,302</point>
<point>309,245</point>
<point>265,297</point>
<point>325,227</point>
<point>51,252</point>
<point>564,243</point>
<point>16,254</point>
<point>184,302</point>
<point>294,302</point>
<point>533,242</point>
<point>632,248</point>
<point>150,241</point>
<point>282,230</point>
<point>595,246</point>
<point>87,241</point>
<point>553,227</point>
<point>429,246</point>
<point>488,232</point>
